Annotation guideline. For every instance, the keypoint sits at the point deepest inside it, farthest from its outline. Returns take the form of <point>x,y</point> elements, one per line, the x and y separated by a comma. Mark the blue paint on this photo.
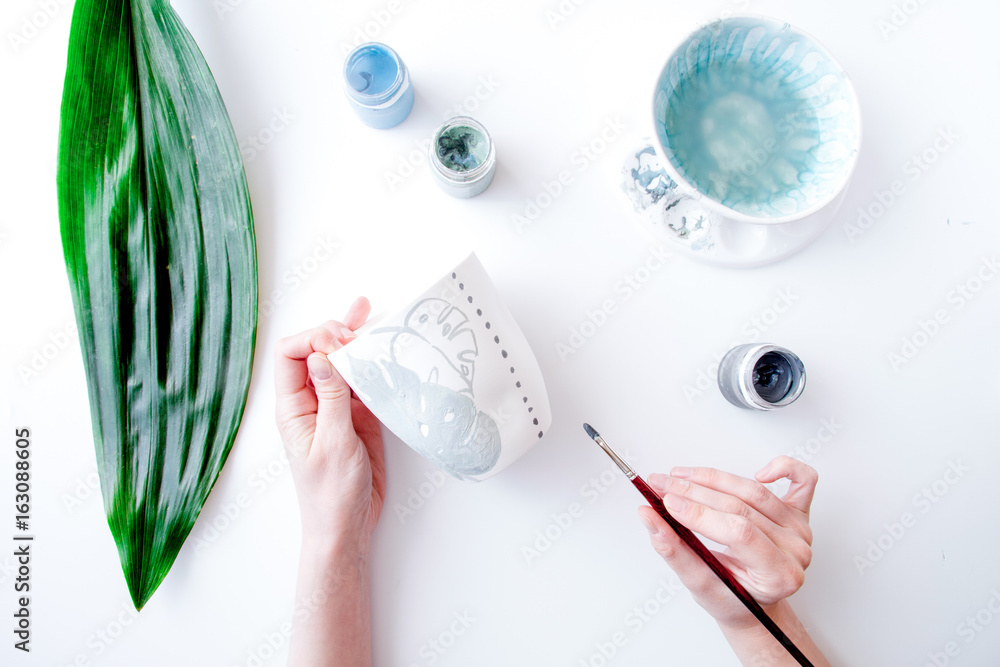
<point>757,116</point>
<point>378,85</point>
<point>372,70</point>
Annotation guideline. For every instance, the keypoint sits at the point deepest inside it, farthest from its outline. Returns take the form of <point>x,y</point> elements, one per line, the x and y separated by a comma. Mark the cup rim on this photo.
<point>717,207</point>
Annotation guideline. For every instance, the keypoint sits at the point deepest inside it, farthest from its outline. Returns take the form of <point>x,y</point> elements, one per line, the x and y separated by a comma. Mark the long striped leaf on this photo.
<point>159,246</point>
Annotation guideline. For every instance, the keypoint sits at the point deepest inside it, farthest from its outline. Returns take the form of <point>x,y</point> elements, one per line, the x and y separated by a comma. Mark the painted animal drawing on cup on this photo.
<point>423,389</point>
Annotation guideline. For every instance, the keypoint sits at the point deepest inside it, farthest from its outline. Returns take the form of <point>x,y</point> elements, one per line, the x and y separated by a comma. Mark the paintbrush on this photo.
<point>703,552</point>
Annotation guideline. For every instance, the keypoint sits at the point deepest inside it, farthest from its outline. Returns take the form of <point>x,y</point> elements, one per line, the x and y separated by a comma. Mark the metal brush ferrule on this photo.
<point>614,457</point>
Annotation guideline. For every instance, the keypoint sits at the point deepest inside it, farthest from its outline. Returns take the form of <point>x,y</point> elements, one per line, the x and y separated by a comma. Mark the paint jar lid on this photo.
<point>378,85</point>
<point>462,157</point>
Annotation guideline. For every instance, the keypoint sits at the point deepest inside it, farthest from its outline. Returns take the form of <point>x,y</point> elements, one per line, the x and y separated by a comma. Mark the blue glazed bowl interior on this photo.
<point>757,117</point>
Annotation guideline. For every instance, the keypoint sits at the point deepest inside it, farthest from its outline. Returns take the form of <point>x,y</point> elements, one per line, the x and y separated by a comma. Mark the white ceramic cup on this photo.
<point>452,376</point>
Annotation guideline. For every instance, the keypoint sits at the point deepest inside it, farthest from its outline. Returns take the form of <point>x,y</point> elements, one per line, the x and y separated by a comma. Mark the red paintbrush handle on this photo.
<point>725,575</point>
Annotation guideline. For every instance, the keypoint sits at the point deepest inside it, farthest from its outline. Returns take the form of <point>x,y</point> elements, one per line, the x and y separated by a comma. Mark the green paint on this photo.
<point>462,148</point>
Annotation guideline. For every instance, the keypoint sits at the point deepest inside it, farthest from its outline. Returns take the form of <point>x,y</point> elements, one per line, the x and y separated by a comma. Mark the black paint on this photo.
<point>772,377</point>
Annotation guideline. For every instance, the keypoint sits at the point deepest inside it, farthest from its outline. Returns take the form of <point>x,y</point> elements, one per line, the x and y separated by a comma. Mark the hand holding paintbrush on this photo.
<point>767,543</point>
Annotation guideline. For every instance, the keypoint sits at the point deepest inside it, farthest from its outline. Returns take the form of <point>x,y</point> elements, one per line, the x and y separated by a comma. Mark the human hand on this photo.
<point>767,539</point>
<point>333,441</point>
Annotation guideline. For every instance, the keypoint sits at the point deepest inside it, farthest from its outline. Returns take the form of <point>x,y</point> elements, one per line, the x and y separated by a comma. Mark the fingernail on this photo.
<point>319,368</point>
<point>675,503</point>
<point>681,472</point>
<point>347,334</point>
<point>658,481</point>
<point>653,530</point>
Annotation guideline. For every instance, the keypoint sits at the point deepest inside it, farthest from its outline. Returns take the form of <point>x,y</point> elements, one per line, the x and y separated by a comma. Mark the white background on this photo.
<point>322,180</point>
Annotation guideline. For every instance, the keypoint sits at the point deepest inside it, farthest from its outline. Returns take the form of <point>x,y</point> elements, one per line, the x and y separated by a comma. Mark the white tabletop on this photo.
<point>466,579</point>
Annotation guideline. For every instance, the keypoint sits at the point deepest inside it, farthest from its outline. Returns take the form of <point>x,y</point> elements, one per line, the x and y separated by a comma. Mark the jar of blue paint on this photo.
<point>378,85</point>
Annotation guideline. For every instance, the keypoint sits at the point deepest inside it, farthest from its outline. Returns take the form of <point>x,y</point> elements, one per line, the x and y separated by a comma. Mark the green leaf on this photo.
<point>158,240</point>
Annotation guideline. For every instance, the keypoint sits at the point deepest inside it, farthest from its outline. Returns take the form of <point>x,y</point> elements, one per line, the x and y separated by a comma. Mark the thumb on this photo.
<point>333,396</point>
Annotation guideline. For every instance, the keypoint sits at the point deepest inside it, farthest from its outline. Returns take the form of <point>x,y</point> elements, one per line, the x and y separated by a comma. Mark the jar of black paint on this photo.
<point>761,376</point>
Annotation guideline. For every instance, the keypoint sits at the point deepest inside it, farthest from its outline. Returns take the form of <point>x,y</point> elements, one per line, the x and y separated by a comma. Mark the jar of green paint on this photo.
<point>462,157</point>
